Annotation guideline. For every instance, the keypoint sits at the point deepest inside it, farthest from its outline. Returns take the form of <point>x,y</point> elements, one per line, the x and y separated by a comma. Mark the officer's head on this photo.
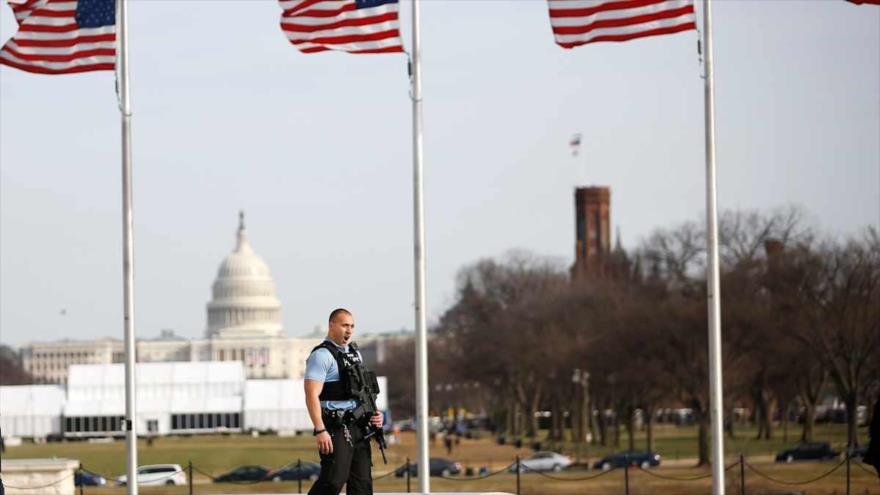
<point>340,326</point>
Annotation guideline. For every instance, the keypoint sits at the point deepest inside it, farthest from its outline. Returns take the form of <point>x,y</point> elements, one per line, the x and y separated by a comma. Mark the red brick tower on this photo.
<point>592,230</point>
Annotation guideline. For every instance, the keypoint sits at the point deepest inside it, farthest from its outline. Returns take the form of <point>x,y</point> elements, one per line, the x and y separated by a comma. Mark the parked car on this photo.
<point>85,478</point>
<point>304,471</point>
<point>544,461</point>
<point>859,452</point>
<point>157,474</point>
<point>644,460</point>
<point>437,467</point>
<point>243,473</point>
<point>807,451</point>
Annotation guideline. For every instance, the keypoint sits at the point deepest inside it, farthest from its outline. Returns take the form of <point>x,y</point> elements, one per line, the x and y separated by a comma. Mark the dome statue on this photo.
<point>244,303</point>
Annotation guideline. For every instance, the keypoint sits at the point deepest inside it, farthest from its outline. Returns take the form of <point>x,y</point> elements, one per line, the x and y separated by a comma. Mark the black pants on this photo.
<point>348,463</point>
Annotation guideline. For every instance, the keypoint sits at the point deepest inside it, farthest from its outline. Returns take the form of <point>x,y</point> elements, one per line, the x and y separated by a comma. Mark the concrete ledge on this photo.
<point>43,476</point>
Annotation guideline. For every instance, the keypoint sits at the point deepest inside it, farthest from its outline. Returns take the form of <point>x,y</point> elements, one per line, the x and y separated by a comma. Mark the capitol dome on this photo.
<point>244,304</point>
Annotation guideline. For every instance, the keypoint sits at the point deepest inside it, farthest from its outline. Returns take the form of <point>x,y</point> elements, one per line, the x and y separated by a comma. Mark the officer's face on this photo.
<point>341,329</point>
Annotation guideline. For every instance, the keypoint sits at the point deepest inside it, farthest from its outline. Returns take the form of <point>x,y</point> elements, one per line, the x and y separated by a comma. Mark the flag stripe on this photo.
<point>631,36</point>
<point>342,32</point>
<point>628,21</point>
<point>577,22</point>
<point>325,13</point>
<point>352,38</point>
<point>378,46</point>
<point>586,8</point>
<point>363,21</point>
<point>51,41</point>
<point>42,55</point>
<point>344,25</point>
<point>624,33</point>
<point>43,67</point>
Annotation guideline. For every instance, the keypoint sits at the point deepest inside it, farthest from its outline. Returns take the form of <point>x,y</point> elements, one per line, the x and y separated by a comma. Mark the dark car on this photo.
<point>859,452</point>
<point>304,471</point>
<point>85,478</point>
<point>807,451</point>
<point>437,467</point>
<point>243,473</point>
<point>644,460</point>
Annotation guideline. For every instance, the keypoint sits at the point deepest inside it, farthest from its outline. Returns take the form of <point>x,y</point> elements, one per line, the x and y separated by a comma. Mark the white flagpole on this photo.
<point>713,287</point>
<point>419,248</point>
<point>127,255</point>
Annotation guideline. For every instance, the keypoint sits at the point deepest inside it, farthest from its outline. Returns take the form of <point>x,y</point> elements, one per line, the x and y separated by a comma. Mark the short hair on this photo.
<point>336,312</point>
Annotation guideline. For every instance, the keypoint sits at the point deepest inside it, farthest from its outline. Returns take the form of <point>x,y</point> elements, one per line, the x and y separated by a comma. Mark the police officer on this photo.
<point>340,437</point>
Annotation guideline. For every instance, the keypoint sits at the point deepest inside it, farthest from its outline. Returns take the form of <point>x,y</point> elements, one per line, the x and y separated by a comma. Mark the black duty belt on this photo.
<point>338,417</point>
<point>344,420</point>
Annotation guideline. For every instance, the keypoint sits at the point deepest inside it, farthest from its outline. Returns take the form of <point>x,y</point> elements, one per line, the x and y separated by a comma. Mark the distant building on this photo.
<point>48,362</point>
<point>592,231</point>
<point>243,324</point>
<point>173,398</point>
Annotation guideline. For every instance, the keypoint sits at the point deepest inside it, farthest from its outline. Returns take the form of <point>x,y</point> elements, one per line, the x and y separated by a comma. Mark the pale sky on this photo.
<point>317,150</point>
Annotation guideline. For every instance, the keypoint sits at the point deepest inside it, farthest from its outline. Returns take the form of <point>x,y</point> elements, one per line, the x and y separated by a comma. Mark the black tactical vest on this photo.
<point>345,388</point>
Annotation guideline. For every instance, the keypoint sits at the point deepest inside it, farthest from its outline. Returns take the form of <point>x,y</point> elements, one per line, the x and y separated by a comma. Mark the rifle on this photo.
<point>368,387</point>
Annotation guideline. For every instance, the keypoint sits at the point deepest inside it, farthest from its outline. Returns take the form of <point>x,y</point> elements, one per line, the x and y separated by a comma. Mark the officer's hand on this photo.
<point>325,443</point>
<point>377,420</point>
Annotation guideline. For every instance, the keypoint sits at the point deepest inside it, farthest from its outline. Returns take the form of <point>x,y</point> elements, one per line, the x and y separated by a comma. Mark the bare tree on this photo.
<point>846,332</point>
<point>11,371</point>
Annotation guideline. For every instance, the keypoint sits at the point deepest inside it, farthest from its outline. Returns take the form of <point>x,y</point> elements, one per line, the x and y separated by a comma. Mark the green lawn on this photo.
<point>217,454</point>
<point>674,442</point>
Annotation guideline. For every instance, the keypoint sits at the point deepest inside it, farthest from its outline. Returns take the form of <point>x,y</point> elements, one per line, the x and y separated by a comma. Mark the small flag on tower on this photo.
<point>62,36</point>
<point>354,26</point>
<point>577,22</point>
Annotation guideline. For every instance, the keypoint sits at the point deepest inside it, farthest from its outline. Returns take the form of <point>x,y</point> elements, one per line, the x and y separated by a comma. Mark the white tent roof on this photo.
<point>177,387</point>
<point>174,373</point>
<point>31,400</point>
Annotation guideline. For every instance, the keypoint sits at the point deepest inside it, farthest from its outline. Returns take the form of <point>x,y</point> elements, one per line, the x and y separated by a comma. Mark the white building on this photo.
<point>172,398</point>
<point>243,324</point>
<point>32,411</point>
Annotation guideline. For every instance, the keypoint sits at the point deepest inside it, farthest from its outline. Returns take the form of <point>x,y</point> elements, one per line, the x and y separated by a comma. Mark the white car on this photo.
<point>544,461</point>
<point>157,474</point>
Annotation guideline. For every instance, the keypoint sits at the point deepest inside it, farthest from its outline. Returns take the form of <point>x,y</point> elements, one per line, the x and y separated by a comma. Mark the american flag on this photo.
<point>62,36</point>
<point>354,26</point>
<point>575,144</point>
<point>577,22</point>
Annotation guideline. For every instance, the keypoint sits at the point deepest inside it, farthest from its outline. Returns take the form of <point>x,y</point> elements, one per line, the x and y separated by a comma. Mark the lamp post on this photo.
<point>582,378</point>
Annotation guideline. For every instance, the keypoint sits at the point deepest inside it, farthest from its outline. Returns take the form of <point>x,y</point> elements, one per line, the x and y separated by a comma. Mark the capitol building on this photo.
<point>243,324</point>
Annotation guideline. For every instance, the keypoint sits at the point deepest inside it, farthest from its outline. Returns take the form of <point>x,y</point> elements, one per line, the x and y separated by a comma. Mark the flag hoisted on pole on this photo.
<point>372,26</point>
<point>578,22</point>
<point>68,37</point>
<point>575,144</point>
<point>354,26</point>
<point>62,36</point>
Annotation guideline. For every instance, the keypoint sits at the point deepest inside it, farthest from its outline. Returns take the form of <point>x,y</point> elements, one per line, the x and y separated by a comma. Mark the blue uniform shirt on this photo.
<point>322,367</point>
